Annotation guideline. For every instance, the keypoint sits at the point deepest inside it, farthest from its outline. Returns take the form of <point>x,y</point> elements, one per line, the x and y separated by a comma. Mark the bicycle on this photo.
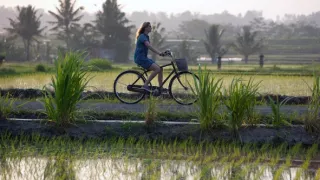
<point>138,79</point>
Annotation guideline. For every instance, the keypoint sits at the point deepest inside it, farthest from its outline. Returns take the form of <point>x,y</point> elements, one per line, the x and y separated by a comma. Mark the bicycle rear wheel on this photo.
<point>124,85</point>
<point>181,88</point>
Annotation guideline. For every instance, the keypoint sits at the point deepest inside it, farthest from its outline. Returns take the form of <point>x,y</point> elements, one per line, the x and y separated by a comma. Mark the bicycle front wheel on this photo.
<point>181,88</point>
<point>122,84</point>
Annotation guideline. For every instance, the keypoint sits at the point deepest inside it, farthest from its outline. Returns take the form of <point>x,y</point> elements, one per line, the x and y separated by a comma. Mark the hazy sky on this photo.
<point>270,8</point>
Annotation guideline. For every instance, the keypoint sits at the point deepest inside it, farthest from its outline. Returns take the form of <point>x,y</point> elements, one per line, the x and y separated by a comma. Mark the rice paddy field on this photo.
<point>36,157</point>
<point>290,80</point>
<point>271,84</point>
<point>40,157</point>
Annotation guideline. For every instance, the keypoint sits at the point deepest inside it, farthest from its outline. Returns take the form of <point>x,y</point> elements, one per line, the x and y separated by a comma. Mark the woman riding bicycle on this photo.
<point>141,55</point>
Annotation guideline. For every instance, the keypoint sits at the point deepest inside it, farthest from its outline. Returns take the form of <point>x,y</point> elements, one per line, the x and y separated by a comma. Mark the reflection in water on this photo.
<point>59,168</point>
<point>63,167</point>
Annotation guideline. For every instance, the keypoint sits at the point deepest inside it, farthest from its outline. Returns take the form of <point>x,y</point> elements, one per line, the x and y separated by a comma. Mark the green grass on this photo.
<point>26,67</point>
<point>36,157</point>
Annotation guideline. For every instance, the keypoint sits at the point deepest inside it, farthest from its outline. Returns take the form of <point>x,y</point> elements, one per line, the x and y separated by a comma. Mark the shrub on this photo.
<point>208,90</point>
<point>69,83</point>
<point>40,68</point>
<point>99,64</point>
<point>240,102</point>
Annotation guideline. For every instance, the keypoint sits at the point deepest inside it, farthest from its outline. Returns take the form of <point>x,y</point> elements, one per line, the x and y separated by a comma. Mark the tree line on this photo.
<point>112,30</point>
<point>110,25</point>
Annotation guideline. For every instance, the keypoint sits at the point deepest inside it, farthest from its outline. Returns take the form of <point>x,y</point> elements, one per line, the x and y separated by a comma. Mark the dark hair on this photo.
<point>142,29</point>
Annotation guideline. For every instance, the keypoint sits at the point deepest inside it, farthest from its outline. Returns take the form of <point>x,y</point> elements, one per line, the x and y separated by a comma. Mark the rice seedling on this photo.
<point>69,83</point>
<point>65,158</point>
<point>240,102</point>
<point>288,160</point>
<point>278,174</point>
<point>312,151</point>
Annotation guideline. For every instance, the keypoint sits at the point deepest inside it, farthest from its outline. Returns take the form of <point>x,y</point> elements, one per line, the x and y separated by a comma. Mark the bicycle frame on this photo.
<point>174,71</point>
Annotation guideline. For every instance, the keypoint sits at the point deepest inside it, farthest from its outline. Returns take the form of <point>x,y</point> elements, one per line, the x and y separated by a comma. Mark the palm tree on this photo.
<point>213,42</point>
<point>247,44</point>
<point>66,17</point>
<point>84,37</point>
<point>27,26</point>
<point>157,38</point>
<point>114,26</point>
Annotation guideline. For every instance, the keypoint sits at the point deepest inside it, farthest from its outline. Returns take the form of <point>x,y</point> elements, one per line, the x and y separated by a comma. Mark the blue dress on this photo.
<point>141,52</point>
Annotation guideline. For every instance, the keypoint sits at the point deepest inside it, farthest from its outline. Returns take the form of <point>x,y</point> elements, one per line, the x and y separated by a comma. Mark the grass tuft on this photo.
<point>208,90</point>
<point>240,102</point>
<point>69,83</point>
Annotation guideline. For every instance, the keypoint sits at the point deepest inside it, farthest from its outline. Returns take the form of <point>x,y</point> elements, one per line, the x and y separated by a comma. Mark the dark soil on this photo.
<point>167,132</point>
<point>36,93</point>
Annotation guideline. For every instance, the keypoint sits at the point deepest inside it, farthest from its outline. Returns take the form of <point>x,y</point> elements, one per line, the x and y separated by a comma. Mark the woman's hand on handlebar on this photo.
<point>162,54</point>
<point>165,53</point>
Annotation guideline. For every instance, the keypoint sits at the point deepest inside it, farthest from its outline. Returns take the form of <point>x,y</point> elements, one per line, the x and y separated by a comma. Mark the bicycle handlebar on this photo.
<point>168,53</point>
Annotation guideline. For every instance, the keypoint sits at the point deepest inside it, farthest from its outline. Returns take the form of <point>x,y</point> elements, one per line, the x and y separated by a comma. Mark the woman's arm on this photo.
<point>151,48</point>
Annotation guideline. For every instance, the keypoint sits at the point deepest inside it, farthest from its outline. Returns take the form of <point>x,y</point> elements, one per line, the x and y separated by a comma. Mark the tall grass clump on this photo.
<point>99,64</point>
<point>69,83</point>
<point>312,120</point>
<point>240,101</point>
<point>208,91</point>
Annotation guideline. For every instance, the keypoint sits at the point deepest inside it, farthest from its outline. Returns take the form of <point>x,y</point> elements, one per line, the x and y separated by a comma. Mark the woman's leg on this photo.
<point>156,70</point>
<point>160,77</point>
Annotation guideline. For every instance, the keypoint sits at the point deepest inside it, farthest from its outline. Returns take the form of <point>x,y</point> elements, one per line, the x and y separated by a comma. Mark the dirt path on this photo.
<point>105,107</point>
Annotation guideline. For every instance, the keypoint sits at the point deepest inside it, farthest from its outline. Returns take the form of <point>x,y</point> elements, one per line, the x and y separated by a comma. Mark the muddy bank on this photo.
<point>36,93</point>
<point>161,131</point>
